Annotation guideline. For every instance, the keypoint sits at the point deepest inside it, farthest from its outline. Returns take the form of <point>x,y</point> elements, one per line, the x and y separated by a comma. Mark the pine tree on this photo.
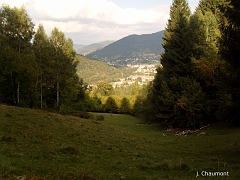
<point>176,58</point>
<point>211,6</point>
<point>177,96</point>
<point>125,106</point>
<point>229,50</point>
<point>110,106</point>
<point>205,33</point>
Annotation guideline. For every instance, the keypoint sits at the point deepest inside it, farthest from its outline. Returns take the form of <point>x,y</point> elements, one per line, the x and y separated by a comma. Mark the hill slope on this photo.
<point>78,46</point>
<point>93,71</point>
<point>42,145</point>
<point>92,47</point>
<point>132,49</point>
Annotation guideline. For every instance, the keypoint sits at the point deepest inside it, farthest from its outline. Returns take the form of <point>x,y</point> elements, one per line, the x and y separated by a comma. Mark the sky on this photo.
<point>92,21</point>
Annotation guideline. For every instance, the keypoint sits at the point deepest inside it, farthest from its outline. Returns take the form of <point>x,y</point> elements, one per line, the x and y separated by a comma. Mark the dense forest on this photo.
<point>93,71</point>
<point>35,70</point>
<point>200,79</point>
<point>197,84</point>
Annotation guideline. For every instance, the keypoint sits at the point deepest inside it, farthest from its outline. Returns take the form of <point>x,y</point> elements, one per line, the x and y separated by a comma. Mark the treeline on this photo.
<point>197,84</point>
<point>200,79</point>
<point>36,70</point>
<point>41,71</point>
<point>104,98</point>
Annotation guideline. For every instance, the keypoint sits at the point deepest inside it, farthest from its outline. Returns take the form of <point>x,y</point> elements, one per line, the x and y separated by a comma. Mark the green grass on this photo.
<point>43,145</point>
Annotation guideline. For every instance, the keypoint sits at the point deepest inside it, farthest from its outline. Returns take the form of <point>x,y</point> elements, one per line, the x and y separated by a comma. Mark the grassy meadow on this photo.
<point>39,145</point>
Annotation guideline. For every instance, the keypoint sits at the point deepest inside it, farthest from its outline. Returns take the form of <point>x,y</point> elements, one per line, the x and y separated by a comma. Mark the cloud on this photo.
<point>88,21</point>
<point>13,3</point>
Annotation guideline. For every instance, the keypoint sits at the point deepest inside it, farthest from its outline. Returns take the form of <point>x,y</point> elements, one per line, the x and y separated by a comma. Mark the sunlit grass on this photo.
<point>43,145</point>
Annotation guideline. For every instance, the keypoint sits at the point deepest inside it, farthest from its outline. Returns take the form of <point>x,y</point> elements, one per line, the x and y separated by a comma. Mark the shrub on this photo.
<point>85,115</point>
<point>65,109</point>
<point>100,117</point>
<point>110,105</point>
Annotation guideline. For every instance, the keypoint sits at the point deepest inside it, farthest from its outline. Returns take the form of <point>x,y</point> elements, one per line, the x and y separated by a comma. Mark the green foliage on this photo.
<point>176,58</point>
<point>100,117</point>
<point>142,105</point>
<point>205,32</point>
<point>180,101</point>
<point>83,114</point>
<point>132,46</point>
<point>189,103</point>
<point>94,104</point>
<point>195,86</point>
<point>65,109</point>
<point>135,87</point>
<point>177,97</point>
<point>17,61</point>
<point>93,71</point>
<point>110,106</point>
<point>230,71</point>
<point>125,106</point>
<point>104,88</point>
<point>63,66</point>
<point>211,6</point>
<point>36,70</point>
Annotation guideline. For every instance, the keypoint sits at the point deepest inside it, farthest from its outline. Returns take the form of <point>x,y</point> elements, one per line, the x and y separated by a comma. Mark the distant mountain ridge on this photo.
<point>78,46</point>
<point>86,49</point>
<point>133,49</point>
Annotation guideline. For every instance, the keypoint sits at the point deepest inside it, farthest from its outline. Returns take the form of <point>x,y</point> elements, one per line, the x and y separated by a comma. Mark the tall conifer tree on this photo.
<point>176,95</point>
<point>230,51</point>
<point>206,33</point>
<point>176,58</point>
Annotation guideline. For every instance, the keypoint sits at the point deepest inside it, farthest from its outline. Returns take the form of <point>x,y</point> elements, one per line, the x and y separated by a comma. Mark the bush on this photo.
<point>82,114</point>
<point>85,115</point>
<point>65,109</point>
<point>110,105</point>
<point>100,117</point>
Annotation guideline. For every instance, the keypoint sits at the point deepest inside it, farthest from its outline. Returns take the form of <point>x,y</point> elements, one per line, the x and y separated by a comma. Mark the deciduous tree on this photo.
<point>18,62</point>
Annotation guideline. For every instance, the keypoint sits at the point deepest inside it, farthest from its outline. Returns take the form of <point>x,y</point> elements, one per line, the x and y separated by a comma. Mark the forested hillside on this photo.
<point>93,71</point>
<point>132,49</point>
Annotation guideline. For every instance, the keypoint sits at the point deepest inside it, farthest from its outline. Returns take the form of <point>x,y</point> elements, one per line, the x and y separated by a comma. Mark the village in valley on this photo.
<point>144,74</point>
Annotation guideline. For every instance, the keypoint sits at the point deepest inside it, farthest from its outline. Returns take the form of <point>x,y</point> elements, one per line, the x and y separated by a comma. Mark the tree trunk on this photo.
<point>18,93</point>
<point>41,92</point>
<point>57,90</point>
<point>13,88</point>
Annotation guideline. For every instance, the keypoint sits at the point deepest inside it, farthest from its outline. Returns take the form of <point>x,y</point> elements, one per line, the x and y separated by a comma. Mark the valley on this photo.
<point>130,50</point>
<point>93,71</point>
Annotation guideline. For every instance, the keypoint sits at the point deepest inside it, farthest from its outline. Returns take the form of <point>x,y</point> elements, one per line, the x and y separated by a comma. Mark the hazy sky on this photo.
<point>90,21</point>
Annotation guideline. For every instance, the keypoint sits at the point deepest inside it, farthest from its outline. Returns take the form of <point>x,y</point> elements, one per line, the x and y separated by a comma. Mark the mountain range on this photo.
<point>86,49</point>
<point>133,49</point>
